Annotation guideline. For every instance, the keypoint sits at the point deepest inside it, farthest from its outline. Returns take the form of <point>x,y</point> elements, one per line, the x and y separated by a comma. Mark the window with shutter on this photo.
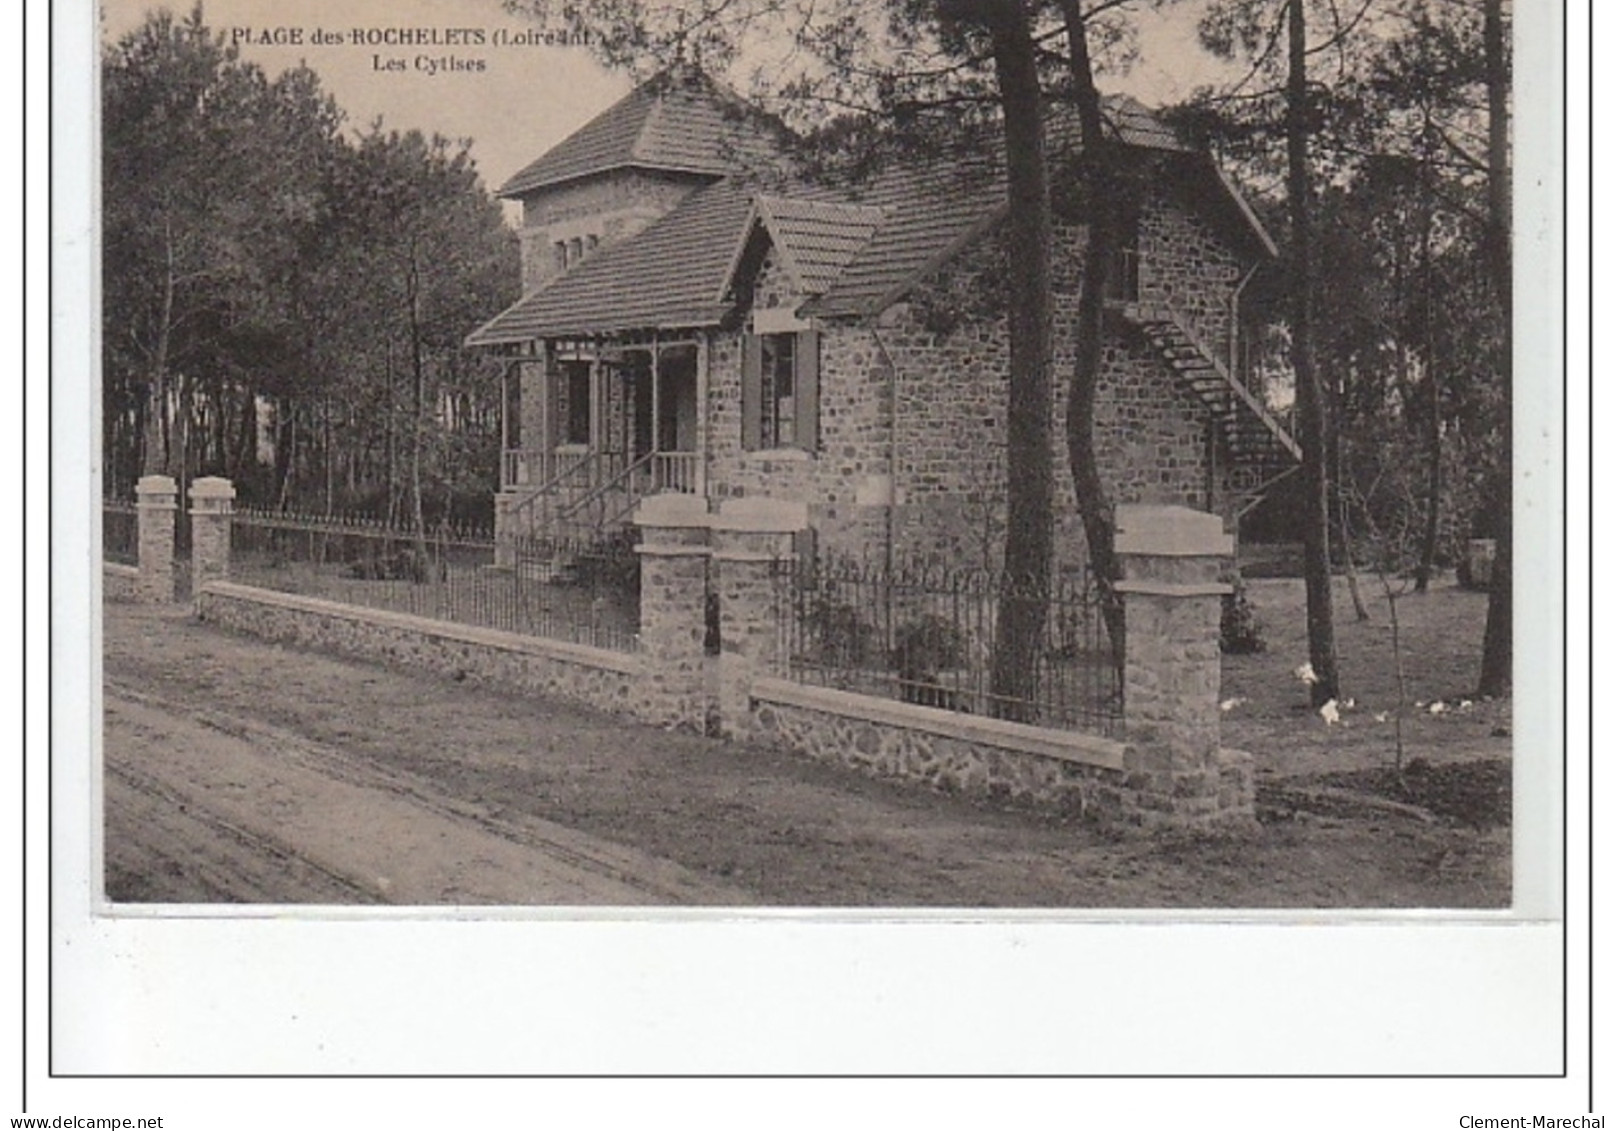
<point>780,391</point>
<point>751,392</point>
<point>807,391</point>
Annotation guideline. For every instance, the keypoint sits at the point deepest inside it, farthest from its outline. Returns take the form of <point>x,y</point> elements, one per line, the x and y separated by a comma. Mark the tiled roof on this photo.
<point>817,238</point>
<point>672,274</point>
<point>855,250</point>
<point>676,123</point>
<point>930,215</point>
<point>1128,120</point>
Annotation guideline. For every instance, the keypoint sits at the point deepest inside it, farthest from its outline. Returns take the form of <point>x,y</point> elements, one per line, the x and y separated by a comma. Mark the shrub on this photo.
<point>1241,631</point>
<point>922,649</point>
<point>838,636</point>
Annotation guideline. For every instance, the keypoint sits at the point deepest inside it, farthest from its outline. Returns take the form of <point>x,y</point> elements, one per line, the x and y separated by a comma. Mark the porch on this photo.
<point>591,427</point>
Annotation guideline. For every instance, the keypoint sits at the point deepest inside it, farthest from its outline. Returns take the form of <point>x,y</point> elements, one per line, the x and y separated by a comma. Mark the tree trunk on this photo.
<point>1432,373</point>
<point>154,459</point>
<point>392,438</point>
<point>417,431</point>
<point>1432,510</point>
<point>1100,196</point>
<point>1343,507</point>
<point>1497,653</point>
<point>1029,533</point>
<point>328,456</point>
<point>1310,407</point>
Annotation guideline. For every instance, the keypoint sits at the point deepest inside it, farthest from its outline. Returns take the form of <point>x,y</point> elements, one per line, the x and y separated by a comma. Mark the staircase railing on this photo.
<point>1167,313</point>
<point>675,471</point>
<point>533,511</point>
<point>581,491</point>
<point>594,500</point>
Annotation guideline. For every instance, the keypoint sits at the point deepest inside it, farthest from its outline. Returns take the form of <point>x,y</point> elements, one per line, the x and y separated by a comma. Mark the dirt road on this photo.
<point>241,770</point>
<point>246,811</point>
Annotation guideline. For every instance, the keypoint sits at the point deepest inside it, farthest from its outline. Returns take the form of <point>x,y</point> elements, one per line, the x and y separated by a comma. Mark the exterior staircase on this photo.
<point>1261,449</point>
<point>546,531</point>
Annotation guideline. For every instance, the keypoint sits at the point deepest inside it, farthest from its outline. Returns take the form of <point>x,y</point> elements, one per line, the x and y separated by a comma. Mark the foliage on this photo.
<point>925,646</point>
<point>272,283</point>
<point>838,634</point>
<point>1240,632</point>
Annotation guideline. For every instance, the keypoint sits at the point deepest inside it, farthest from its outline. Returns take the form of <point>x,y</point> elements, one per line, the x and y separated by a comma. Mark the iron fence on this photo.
<point>928,636</point>
<point>582,591</point>
<point>120,532</point>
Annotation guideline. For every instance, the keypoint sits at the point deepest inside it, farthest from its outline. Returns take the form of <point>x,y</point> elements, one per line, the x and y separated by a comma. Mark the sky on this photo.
<point>528,97</point>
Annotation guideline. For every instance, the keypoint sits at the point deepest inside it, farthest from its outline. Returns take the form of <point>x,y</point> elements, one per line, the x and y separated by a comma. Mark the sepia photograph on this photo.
<point>817,456</point>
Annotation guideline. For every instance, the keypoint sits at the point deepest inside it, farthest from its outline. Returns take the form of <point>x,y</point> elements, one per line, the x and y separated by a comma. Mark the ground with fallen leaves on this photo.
<point>1353,744</point>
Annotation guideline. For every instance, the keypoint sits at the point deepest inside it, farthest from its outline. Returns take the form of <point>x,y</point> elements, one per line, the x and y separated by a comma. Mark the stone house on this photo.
<point>696,320</point>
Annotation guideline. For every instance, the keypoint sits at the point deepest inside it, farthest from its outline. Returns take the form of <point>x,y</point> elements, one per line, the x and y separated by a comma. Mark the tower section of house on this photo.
<point>629,166</point>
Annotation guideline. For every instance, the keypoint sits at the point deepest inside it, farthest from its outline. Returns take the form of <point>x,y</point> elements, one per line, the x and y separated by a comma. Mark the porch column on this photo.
<point>155,504</point>
<point>543,441</point>
<point>703,385</point>
<point>751,540</point>
<point>1177,772</point>
<point>655,401</point>
<point>504,413</point>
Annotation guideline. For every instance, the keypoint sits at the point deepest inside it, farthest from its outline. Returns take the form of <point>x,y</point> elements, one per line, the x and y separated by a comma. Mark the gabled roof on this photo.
<point>1127,119</point>
<point>930,215</point>
<point>673,274</point>
<point>934,212</point>
<point>853,250</point>
<point>677,122</point>
<point>816,238</point>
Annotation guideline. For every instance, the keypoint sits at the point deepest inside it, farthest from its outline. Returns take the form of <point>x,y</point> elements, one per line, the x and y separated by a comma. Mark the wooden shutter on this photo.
<point>807,390</point>
<point>751,392</point>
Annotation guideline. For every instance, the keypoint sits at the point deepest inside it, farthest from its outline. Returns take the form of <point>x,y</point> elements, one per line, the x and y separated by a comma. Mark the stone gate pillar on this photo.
<point>673,554</point>
<point>752,538</point>
<point>154,501</point>
<point>212,505</point>
<point>1173,559</point>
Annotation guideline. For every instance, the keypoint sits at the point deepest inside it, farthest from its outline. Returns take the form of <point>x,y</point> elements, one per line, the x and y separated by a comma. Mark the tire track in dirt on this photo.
<point>375,832</point>
<point>162,848</point>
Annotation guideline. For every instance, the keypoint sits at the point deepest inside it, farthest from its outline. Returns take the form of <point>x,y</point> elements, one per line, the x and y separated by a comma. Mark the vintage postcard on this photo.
<point>611,470</point>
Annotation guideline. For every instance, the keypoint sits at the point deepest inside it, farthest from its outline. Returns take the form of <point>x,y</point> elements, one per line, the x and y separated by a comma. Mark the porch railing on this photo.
<point>575,493</point>
<point>523,468</point>
<point>676,471</point>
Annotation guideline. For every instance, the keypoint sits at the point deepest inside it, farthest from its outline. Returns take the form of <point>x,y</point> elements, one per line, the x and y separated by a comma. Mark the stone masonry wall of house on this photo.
<point>945,455</point>
<point>1186,265</point>
<point>610,207</point>
<point>846,483</point>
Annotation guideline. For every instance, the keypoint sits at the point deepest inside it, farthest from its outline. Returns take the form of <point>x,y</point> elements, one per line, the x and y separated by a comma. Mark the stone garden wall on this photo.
<point>605,680</point>
<point>120,582</point>
<point>1169,769</point>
